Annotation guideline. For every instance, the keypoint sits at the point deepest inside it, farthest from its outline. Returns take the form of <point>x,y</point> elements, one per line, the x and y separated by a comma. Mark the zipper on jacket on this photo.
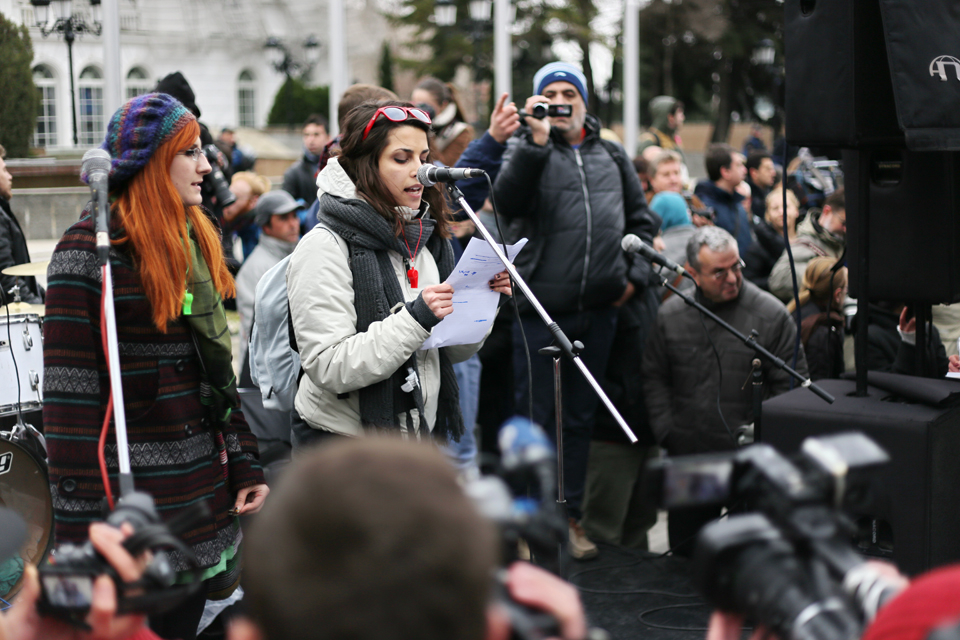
<point>586,203</point>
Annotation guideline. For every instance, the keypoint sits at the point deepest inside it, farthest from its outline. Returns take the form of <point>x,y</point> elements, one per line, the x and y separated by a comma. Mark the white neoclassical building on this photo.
<point>218,45</point>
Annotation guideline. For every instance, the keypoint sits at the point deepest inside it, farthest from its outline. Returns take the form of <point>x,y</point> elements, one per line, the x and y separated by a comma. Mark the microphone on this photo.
<point>633,244</point>
<point>430,174</point>
<point>522,442</point>
<point>96,166</point>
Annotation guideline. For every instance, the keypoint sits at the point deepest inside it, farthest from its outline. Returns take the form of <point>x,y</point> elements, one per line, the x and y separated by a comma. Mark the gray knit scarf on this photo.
<point>370,238</point>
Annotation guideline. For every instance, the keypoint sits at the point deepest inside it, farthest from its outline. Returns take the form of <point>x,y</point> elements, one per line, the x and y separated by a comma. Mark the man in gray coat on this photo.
<point>682,381</point>
<point>822,233</point>
<point>276,213</point>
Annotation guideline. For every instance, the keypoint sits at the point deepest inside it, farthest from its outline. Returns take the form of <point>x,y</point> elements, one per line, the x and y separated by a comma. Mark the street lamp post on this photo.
<point>480,23</point>
<point>289,66</point>
<point>445,15</point>
<point>69,26</point>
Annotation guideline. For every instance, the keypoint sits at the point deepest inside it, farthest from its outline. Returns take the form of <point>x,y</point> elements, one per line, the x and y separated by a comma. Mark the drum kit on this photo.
<point>24,487</point>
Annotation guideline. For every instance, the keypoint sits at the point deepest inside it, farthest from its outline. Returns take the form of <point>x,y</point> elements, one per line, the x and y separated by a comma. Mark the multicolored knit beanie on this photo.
<point>137,130</point>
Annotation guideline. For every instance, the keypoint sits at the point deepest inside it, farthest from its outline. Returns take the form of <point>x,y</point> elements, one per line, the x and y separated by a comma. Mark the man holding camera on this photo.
<point>574,196</point>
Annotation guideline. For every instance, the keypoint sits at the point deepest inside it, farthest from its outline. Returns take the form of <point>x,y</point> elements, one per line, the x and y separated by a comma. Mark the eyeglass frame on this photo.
<point>409,111</point>
<point>193,153</point>
<point>721,275</point>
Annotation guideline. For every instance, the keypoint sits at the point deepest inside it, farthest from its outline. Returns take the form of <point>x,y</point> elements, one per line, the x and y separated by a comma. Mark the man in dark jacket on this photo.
<point>761,176</point>
<point>13,246</point>
<point>726,170</point>
<point>681,379</point>
<point>300,180</point>
<point>574,196</point>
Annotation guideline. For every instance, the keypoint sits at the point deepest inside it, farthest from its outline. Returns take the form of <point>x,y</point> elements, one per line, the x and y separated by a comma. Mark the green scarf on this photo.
<point>203,310</point>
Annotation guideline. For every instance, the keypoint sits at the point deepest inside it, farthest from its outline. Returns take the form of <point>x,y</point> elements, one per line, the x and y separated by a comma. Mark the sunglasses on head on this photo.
<point>397,114</point>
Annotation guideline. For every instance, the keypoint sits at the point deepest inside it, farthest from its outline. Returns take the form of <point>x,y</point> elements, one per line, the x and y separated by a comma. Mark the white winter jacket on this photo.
<point>337,361</point>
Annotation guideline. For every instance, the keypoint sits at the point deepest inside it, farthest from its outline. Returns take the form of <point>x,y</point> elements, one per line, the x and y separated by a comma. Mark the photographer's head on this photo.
<point>562,83</point>
<point>714,260</point>
<point>371,539</point>
<point>383,145</point>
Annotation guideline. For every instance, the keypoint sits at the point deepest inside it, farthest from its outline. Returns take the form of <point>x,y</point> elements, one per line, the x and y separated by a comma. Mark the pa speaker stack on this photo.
<point>880,79</point>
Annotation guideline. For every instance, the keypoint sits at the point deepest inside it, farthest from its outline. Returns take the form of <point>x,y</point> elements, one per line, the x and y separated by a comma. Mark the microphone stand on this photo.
<point>561,340</point>
<point>113,349</point>
<point>751,342</point>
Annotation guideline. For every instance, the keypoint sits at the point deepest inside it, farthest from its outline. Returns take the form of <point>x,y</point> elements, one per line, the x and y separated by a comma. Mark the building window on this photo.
<point>247,100</point>
<point>138,83</point>
<point>45,134</point>
<point>90,103</point>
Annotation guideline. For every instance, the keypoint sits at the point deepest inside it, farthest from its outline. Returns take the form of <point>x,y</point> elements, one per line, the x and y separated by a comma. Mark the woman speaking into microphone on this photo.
<point>188,442</point>
<point>366,286</point>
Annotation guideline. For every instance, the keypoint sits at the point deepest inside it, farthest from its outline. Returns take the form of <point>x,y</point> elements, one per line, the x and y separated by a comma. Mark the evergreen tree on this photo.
<point>295,102</point>
<point>20,98</point>
<point>386,67</point>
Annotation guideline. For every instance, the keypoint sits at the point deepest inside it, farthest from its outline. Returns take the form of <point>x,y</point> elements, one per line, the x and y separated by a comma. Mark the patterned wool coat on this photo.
<point>173,451</point>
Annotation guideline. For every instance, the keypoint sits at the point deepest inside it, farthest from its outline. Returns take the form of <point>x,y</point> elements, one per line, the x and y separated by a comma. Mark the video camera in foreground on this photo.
<point>67,576</point>
<point>787,560</point>
<point>518,499</point>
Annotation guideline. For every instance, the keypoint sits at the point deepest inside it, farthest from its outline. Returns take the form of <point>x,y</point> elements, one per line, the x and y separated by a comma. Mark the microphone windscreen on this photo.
<point>631,243</point>
<point>95,160</point>
<point>425,175</point>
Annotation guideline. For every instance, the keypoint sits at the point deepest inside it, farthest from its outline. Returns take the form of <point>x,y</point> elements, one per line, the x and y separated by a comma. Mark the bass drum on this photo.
<point>25,489</point>
<point>21,363</point>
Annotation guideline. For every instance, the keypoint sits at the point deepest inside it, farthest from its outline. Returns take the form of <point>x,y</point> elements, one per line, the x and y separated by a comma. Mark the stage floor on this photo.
<point>637,596</point>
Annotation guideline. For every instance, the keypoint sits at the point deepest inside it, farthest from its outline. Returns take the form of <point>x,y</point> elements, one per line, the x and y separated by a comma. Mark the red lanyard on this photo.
<point>412,274</point>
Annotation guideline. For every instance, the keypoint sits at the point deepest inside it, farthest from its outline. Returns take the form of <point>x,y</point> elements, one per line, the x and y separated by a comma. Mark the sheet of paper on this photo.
<point>474,304</point>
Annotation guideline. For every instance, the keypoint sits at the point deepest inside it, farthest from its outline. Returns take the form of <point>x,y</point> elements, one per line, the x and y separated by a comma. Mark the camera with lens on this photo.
<point>68,575</point>
<point>216,179</point>
<point>527,468</point>
<point>543,110</point>
<point>783,557</point>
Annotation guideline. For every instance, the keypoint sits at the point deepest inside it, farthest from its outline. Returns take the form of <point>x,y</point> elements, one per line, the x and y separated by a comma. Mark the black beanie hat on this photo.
<point>177,86</point>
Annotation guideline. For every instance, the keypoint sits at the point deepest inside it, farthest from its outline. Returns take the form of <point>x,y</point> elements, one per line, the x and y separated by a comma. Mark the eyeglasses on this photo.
<point>722,274</point>
<point>193,153</point>
<point>397,114</point>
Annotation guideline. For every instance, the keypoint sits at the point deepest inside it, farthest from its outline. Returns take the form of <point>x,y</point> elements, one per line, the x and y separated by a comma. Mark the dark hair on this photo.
<point>677,105</point>
<point>756,158</point>
<point>369,539</point>
<point>356,95</point>
<point>836,200</point>
<point>361,160</point>
<point>317,119</point>
<point>719,156</point>
<point>442,92</point>
<point>640,165</point>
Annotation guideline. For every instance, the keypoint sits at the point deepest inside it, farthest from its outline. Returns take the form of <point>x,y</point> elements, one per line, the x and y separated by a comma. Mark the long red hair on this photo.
<point>152,216</point>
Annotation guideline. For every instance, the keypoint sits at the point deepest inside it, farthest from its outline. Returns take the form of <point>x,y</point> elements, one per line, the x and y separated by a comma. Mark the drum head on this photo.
<point>24,489</point>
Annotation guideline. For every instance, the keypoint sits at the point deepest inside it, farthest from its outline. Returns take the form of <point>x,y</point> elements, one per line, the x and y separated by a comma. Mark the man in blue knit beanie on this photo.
<point>575,196</point>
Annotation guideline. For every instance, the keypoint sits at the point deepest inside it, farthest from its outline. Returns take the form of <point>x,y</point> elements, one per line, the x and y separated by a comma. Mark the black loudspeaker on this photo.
<point>838,87</point>
<point>914,518</point>
<point>914,224</point>
<point>873,72</point>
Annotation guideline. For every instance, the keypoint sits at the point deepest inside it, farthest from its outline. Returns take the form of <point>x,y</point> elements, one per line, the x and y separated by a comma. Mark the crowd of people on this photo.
<point>369,250</point>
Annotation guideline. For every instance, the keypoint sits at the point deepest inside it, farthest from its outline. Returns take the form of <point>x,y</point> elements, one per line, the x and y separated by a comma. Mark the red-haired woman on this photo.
<point>187,442</point>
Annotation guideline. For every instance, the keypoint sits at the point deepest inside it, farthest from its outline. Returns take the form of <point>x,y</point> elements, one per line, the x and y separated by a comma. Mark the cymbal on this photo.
<point>27,269</point>
<point>17,308</point>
